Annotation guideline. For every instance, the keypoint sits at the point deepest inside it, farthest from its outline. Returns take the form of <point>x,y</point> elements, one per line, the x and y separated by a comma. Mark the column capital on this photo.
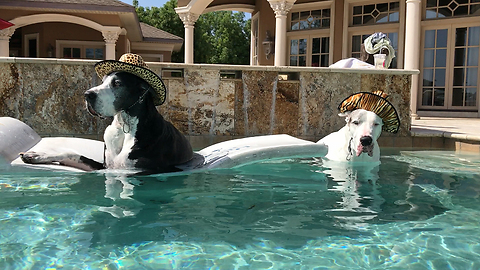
<point>414,1</point>
<point>7,33</point>
<point>188,18</point>
<point>281,7</point>
<point>110,36</point>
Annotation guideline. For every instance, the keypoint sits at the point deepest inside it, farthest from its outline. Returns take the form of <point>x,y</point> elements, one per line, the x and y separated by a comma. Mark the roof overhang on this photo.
<point>233,7</point>
<point>127,14</point>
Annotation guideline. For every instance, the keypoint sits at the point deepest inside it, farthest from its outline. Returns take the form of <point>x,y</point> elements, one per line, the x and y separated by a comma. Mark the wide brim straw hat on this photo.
<point>375,102</point>
<point>134,64</point>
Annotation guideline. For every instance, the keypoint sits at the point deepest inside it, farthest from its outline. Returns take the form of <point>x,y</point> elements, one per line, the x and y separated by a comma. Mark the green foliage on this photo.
<point>221,37</point>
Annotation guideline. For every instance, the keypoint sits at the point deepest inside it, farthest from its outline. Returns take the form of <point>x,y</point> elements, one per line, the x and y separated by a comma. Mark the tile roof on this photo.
<point>154,34</point>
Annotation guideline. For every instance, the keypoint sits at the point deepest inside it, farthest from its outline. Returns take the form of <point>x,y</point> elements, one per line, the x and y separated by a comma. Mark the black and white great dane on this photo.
<point>138,137</point>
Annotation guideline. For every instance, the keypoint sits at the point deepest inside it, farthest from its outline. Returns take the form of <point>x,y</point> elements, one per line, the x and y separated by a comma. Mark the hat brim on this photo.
<point>374,103</point>
<point>106,67</point>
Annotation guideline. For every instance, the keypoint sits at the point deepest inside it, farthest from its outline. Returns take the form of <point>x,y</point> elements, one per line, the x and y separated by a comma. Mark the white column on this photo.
<point>281,9</point>
<point>110,38</point>
<point>188,20</point>
<point>5,36</point>
<point>412,47</point>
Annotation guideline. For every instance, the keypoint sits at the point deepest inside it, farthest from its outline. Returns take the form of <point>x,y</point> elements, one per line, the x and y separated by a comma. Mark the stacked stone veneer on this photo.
<point>47,94</point>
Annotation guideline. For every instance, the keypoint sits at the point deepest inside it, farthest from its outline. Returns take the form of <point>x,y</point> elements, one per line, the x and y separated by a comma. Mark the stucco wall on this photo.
<point>47,94</point>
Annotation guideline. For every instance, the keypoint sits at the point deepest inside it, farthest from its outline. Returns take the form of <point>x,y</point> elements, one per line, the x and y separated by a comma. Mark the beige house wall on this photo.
<point>59,26</point>
<point>49,33</point>
<point>265,24</point>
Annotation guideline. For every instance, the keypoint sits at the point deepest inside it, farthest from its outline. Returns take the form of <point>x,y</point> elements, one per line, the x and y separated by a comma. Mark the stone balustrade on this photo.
<point>209,103</point>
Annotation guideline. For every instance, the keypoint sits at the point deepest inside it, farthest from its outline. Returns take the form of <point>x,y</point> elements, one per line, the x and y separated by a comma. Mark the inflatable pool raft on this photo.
<point>17,137</point>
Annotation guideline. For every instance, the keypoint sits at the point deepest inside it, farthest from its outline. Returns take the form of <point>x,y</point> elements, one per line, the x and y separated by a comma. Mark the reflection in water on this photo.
<point>360,198</point>
<point>274,214</point>
<point>289,202</point>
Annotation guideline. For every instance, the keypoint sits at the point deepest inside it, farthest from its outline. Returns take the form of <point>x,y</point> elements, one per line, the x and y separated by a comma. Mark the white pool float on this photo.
<point>16,137</point>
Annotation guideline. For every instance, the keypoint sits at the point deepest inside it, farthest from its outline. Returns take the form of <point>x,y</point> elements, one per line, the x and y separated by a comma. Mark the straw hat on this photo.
<point>375,102</point>
<point>134,64</point>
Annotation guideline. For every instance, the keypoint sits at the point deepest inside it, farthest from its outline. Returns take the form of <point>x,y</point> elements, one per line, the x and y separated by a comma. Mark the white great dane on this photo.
<point>366,115</point>
<point>357,140</point>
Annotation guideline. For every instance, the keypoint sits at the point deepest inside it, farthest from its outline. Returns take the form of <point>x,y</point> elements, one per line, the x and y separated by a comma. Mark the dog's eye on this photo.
<point>376,124</point>
<point>356,122</point>
<point>116,83</point>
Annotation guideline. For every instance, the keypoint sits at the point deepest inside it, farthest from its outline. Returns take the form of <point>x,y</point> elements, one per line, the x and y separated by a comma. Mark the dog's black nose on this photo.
<point>90,96</point>
<point>366,140</point>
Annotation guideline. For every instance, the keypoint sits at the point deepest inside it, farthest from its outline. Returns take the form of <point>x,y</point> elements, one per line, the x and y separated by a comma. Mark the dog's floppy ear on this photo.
<point>144,86</point>
<point>346,115</point>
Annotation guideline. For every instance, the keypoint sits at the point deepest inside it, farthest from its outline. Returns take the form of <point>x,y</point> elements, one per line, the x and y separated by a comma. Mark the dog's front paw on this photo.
<point>34,158</point>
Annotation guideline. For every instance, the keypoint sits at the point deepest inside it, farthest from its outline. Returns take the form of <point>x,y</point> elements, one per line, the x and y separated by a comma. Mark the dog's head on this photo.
<point>119,91</point>
<point>364,127</point>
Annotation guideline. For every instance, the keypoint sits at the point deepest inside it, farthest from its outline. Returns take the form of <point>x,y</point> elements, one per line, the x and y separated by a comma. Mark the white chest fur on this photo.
<point>119,139</point>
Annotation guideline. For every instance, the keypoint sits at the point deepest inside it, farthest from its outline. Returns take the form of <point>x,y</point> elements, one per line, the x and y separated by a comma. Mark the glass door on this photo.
<point>309,51</point>
<point>434,68</point>
<point>450,68</point>
<point>465,68</point>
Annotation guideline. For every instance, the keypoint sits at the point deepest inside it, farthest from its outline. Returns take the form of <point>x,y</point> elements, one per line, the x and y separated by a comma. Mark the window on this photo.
<point>309,35</point>
<point>298,52</point>
<point>311,51</point>
<point>311,19</point>
<point>434,67</point>
<point>31,45</point>
<point>450,61</point>
<point>69,52</point>
<point>371,17</point>
<point>254,41</point>
<point>320,50</point>
<point>450,68</point>
<point>465,66</point>
<point>436,9</point>
<point>376,13</point>
<point>94,53</point>
<point>80,49</point>
<point>357,41</point>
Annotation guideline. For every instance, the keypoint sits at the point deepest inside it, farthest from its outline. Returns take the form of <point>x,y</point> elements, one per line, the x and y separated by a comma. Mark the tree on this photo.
<point>221,37</point>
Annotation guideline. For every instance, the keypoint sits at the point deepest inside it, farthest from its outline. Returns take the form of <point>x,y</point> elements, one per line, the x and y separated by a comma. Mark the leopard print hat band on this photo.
<point>133,63</point>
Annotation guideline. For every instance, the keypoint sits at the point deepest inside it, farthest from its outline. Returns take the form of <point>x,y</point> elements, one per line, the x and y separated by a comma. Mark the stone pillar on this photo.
<point>281,9</point>
<point>412,47</point>
<point>110,38</point>
<point>5,36</point>
<point>188,20</point>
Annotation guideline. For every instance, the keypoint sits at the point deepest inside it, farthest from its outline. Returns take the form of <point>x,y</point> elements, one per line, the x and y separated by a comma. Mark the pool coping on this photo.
<point>466,129</point>
<point>417,132</point>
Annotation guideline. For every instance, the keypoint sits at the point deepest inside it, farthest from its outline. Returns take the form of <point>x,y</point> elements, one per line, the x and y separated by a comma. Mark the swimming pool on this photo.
<point>418,210</point>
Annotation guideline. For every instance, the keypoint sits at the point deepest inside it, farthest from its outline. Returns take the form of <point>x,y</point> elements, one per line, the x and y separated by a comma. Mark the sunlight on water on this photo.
<point>289,214</point>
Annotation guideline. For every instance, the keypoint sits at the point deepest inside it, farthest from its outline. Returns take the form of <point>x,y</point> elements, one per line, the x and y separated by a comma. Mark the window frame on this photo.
<point>309,34</point>
<point>309,53</point>
<point>26,39</point>
<point>60,44</point>
<point>451,24</point>
<point>255,40</point>
<point>350,30</point>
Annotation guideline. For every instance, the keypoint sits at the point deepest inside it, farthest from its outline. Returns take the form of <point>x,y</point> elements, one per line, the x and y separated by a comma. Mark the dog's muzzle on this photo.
<point>365,146</point>
<point>90,98</point>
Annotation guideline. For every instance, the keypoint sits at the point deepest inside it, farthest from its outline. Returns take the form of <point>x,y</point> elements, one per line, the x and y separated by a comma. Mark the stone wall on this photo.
<point>209,103</point>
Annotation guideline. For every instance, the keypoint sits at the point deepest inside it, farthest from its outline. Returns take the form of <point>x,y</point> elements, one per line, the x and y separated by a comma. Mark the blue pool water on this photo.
<point>417,210</point>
